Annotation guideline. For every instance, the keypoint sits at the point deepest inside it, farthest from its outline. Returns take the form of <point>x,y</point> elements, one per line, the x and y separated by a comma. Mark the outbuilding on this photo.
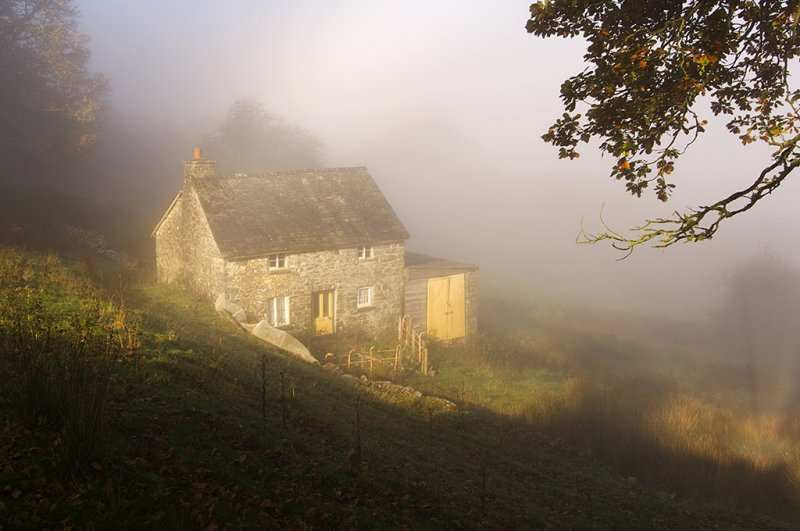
<point>441,295</point>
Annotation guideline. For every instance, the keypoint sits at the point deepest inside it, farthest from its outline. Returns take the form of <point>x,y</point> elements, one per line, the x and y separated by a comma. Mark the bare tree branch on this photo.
<point>687,227</point>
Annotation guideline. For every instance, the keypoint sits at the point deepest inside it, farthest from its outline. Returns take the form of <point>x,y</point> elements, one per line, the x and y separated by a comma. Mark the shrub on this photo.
<point>59,337</point>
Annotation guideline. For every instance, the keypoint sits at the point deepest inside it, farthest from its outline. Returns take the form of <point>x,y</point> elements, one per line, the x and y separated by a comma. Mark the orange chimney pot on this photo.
<point>198,153</point>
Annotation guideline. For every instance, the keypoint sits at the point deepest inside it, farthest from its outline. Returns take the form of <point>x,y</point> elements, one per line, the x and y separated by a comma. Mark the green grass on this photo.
<point>637,406</point>
<point>187,443</point>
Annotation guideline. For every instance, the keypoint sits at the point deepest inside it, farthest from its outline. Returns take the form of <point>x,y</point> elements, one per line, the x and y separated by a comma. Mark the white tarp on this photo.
<point>264,331</point>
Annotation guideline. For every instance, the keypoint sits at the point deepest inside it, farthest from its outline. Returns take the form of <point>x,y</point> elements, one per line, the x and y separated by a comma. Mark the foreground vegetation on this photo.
<point>132,405</point>
<point>668,415</point>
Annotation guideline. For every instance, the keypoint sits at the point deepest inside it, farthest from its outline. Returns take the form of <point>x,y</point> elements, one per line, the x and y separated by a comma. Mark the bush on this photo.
<point>59,337</point>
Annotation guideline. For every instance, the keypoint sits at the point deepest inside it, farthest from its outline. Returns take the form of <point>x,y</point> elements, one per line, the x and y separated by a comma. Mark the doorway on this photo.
<point>447,307</point>
<point>324,311</point>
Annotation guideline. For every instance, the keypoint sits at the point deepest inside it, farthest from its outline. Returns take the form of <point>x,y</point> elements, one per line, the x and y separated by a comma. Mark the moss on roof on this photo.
<point>296,211</point>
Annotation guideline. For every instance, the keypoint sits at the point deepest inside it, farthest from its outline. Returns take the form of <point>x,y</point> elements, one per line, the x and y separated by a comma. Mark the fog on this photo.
<point>445,103</point>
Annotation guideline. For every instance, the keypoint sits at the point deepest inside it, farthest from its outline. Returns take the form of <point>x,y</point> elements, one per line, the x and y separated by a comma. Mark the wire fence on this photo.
<point>412,349</point>
<point>416,337</point>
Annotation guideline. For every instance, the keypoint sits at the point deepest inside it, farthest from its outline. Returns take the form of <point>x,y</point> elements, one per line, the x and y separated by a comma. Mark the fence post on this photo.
<point>371,358</point>
<point>349,354</point>
<point>263,387</point>
<point>397,359</point>
<point>415,341</point>
<point>283,400</point>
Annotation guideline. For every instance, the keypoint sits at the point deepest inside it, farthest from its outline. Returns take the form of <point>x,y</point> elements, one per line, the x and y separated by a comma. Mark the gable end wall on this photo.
<point>186,253</point>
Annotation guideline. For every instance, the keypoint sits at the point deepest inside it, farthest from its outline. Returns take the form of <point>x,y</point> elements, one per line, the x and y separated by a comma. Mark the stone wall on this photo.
<point>251,284</point>
<point>186,253</point>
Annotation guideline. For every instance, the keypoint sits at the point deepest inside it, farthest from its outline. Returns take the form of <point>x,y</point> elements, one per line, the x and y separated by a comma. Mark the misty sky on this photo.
<point>445,102</point>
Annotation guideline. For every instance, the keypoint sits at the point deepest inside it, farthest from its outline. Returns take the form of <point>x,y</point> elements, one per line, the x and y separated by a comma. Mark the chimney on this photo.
<point>198,167</point>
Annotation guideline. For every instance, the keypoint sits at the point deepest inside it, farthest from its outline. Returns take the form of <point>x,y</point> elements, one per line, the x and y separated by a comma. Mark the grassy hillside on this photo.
<point>132,405</point>
<point>667,413</point>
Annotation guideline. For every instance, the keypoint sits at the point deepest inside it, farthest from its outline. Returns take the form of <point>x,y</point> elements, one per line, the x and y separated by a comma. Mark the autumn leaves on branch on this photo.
<point>650,64</point>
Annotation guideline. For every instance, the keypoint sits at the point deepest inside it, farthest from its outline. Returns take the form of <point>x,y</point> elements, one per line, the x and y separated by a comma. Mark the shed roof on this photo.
<point>424,261</point>
<point>423,266</point>
<point>296,211</point>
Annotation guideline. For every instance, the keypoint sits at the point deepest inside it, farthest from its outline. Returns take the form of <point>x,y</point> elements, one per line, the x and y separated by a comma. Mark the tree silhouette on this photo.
<point>755,325</point>
<point>49,102</point>
<point>251,140</point>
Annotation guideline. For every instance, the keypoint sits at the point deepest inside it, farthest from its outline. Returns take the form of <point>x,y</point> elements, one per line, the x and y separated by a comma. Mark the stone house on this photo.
<point>311,251</point>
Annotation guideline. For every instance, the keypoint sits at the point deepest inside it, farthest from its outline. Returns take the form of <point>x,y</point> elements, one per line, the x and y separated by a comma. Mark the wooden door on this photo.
<point>323,312</point>
<point>447,316</point>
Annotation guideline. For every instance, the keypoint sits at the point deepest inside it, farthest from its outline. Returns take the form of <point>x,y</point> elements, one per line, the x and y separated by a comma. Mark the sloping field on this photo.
<point>130,405</point>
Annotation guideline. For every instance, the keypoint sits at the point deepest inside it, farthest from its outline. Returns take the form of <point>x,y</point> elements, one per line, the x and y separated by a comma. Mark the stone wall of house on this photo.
<point>169,251</point>
<point>250,283</point>
<point>186,253</point>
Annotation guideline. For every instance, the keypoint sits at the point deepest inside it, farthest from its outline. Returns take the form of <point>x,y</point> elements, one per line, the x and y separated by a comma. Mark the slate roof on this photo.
<point>424,261</point>
<point>296,211</point>
<point>421,266</point>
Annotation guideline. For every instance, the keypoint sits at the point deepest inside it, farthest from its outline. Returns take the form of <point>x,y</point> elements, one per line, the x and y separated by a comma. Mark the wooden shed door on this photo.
<point>447,316</point>
<point>323,312</point>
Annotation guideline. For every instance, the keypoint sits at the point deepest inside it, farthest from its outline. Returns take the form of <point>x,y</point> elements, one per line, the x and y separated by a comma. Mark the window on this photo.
<point>278,311</point>
<point>365,251</point>
<point>364,297</point>
<point>277,261</point>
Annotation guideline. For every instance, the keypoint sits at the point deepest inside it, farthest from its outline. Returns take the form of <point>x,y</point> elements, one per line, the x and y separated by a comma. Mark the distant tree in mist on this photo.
<point>761,304</point>
<point>757,323</point>
<point>49,102</point>
<point>251,140</point>
<point>650,67</point>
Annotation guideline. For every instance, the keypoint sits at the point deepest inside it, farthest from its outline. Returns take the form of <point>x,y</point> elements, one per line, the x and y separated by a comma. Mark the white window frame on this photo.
<point>364,297</point>
<point>273,313</point>
<point>365,252</point>
<point>276,261</point>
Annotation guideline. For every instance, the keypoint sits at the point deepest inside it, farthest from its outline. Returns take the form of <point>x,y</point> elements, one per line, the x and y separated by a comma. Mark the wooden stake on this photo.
<point>283,400</point>
<point>415,343</point>
<point>483,481</point>
<point>264,387</point>
<point>371,359</point>
<point>398,360</point>
<point>430,426</point>
<point>357,459</point>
